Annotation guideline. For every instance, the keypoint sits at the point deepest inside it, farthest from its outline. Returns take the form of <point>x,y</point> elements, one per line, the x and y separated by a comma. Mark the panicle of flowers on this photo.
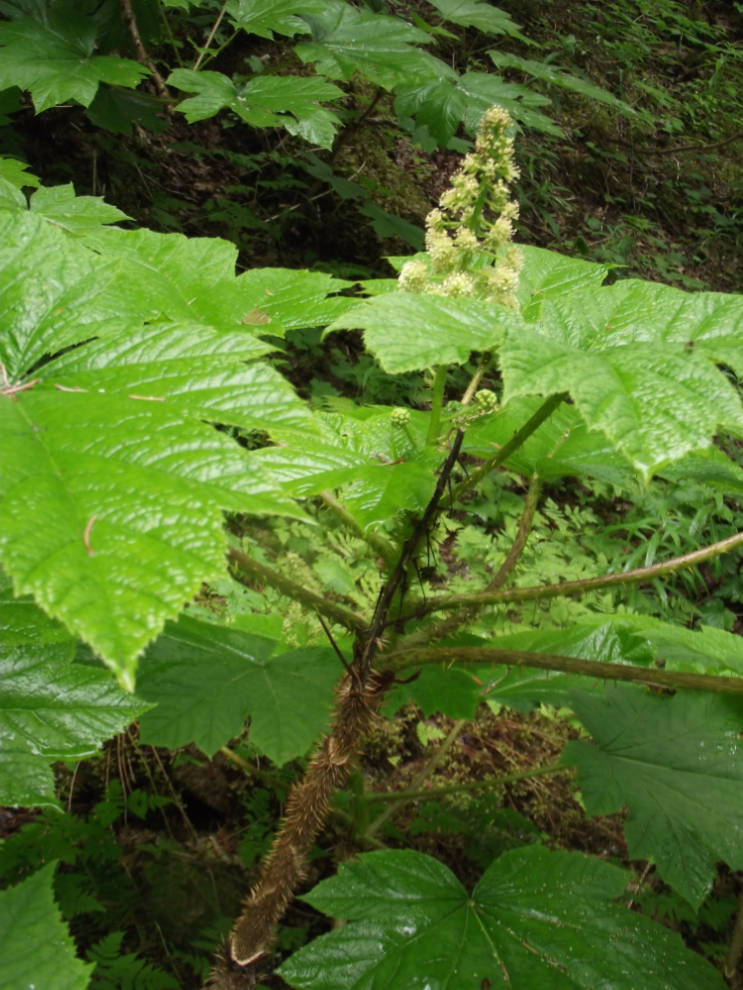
<point>468,238</point>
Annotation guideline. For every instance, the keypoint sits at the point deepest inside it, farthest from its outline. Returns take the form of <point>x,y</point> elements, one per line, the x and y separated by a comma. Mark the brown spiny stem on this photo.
<point>306,811</point>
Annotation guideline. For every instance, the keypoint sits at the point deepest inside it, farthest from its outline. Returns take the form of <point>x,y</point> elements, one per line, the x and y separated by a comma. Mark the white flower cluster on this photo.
<point>468,238</point>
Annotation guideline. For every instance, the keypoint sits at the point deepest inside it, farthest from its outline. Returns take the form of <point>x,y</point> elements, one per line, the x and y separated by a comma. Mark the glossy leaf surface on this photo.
<point>677,763</point>
<point>264,17</point>
<point>535,919</point>
<point>35,945</point>
<point>114,485</point>
<point>437,330</point>
<point>346,40</point>
<point>50,707</point>
<point>207,680</point>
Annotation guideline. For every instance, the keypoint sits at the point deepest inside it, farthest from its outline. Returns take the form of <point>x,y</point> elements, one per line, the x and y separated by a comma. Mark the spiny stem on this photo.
<point>476,785</point>
<point>437,401</point>
<point>545,591</point>
<point>423,775</point>
<point>567,665</point>
<point>316,603</point>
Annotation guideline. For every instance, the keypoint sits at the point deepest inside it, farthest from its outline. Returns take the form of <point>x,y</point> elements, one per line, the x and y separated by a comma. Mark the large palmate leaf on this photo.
<point>61,206</point>
<point>535,919</point>
<point>35,945</point>
<point>547,275</point>
<point>346,40</point>
<point>565,80</point>
<point>266,101</point>
<point>442,104</point>
<point>677,763</point>
<point>208,680</point>
<point>639,360</point>
<point>52,54</point>
<point>50,708</point>
<point>285,299</point>
<point>263,17</point>
<point>437,330</point>
<point>113,480</point>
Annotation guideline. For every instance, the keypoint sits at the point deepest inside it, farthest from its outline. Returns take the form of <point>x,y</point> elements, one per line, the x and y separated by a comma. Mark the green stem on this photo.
<point>267,779</point>
<point>316,603</point>
<point>383,547</point>
<point>476,378</point>
<point>545,591</point>
<point>169,32</point>
<point>474,785</point>
<point>213,31</point>
<point>566,665</point>
<point>423,775</point>
<point>736,944</point>
<point>437,401</point>
<point>516,441</point>
<point>212,55</point>
<point>522,536</point>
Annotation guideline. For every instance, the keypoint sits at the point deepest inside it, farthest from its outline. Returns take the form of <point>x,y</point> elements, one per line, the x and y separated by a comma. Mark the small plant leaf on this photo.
<point>35,945</point>
<point>207,680</point>
<point>677,763</point>
<point>548,73</point>
<point>536,918</point>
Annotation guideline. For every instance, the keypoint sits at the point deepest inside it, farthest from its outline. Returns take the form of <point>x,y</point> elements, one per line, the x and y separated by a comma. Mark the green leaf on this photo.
<point>346,40</point>
<point>56,61</point>
<point>207,680</point>
<point>452,691</point>
<point>266,101</point>
<point>478,14</point>
<point>655,397</point>
<point>442,104</point>
<point>35,945</point>
<point>549,74</point>
<point>388,225</point>
<point>169,276</point>
<point>61,206</point>
<point>678,765</point>
<point>113,480</point>
<point>548,275</point>
<point>438,330</point>
<point>536,918</point>
<point>263,17</point>
<point>14,172</point>
<point>117,109</point>
<point>50,708</point>
<point>295,299</point>
<point>562,446</point>
<point>377,493</point>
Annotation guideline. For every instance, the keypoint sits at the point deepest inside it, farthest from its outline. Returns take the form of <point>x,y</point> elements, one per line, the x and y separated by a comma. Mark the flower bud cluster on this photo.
<point>468,239</point>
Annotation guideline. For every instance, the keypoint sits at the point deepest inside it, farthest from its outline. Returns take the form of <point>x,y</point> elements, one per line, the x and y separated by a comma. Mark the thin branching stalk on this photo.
<point>476,378</point>
<point>213,31</point>
<point>567,665</point>
<point>516,441</point>
<point>316,603</point>
<point>474,785</point>
<point>542,592</point>
<point>425,773</point>
<point>522,535</point>
<point>142,54</point>
<point>437,402</point>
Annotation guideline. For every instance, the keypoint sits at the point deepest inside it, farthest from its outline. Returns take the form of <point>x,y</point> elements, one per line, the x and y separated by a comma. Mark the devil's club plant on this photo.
<point>132,360</point>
